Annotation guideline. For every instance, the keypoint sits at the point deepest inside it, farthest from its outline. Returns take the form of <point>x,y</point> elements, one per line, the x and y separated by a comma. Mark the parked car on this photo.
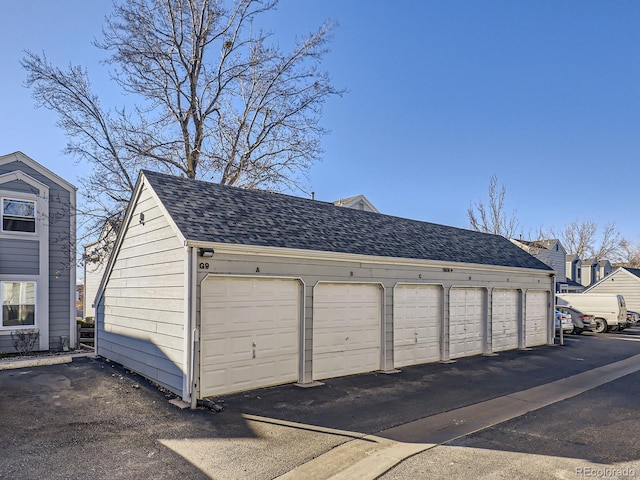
<point>563,319</point>
<point>582,322</point>
<point>633,318</point>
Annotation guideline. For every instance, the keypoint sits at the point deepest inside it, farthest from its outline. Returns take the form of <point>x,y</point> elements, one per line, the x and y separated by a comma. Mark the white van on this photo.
<point>609,309</point>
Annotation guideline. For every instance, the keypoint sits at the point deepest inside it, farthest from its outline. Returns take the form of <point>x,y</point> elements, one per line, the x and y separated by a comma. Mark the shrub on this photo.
<point>25,340</point>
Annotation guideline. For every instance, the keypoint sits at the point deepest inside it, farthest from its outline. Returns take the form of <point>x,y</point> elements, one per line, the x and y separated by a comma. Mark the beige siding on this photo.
<point>144,299</point>
<point>622,283</point>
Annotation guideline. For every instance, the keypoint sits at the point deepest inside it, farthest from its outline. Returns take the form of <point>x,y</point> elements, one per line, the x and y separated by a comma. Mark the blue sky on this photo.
<point>441,95</point>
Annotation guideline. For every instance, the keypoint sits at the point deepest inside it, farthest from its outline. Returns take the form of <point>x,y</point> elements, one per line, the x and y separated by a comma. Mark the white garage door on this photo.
<point>504,324</point>
<point>346,329</point>
<point>249,333</point>
<point>465,322</point>
<point>417,310</point>
<point>536,318</point>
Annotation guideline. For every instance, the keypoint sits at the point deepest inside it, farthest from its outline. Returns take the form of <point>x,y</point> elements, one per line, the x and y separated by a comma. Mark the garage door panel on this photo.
<point>217,351</point>
<point>329,365</point>
<point>216,376</point>
<point>505,319</point>
<point>536,318</point>
<point>362,359</point>
<point>264,370</point>
<point>249,333</point>
<point>346,329</point>
<point>364,338</point>
<point>417,312</point>
<point>238,348</point>
<point>465,322</point>
<point>276,344</point>
<point>328,342</point>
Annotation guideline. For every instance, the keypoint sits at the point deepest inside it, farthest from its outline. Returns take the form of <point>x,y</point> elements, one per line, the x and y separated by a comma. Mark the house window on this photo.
<point>18,215</point>
<point>18,304</point>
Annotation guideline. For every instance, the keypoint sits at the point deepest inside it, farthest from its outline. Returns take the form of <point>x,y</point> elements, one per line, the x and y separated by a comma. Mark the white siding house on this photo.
<point>214,289</point>
<point>359,202</point>
<point>622,281</point>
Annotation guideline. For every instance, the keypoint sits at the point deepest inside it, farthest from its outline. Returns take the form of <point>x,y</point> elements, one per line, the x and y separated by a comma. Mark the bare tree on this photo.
<point>609,246</point>
<point>578,237</point>
<point>630,254</point>
<point>581,238</point>
<point>491,217</point>
<point>214,99</point>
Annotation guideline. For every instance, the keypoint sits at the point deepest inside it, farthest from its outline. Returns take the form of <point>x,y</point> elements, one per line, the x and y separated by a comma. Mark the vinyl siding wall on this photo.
<point>19,257</point>
<point>622,283</point>
<point>62,255</point>
<point>141,324</point>
<point>92,277</point>
<point>588,274</point>
<point>312,271</point>
<point>556,260</point>
<point>61,252</point>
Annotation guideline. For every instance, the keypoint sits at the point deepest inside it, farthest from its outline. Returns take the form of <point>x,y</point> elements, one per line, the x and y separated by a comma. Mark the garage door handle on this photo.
<point>254,350</point>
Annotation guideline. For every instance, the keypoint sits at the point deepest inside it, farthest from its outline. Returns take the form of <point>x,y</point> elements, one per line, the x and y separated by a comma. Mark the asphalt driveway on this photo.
<point>93,419</point>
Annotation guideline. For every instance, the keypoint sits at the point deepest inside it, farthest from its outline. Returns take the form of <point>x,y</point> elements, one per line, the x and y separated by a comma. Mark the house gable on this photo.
<point>622,281</point>
<point>12,161</point>
<point>140,304</point>
<point>359,202</point>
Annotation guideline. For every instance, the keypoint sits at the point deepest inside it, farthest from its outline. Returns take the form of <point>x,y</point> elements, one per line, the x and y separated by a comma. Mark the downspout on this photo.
<point>193,330</point>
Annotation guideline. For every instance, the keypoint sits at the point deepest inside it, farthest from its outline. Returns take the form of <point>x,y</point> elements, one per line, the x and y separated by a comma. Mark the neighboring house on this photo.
<point>603,269</point>
<point>574,268</point>
<point>359,202</point>
<point>213,289</point>
<point>79,301</point>
<point>589,271</point>
<point>37,253</point>
<point>96,255</point>
<point>622,281</point>
<point>550,252</point>
<point>571,287</point>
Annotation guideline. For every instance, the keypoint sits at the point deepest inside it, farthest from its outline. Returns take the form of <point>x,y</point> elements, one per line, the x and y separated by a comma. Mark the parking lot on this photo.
<point>93,419</point>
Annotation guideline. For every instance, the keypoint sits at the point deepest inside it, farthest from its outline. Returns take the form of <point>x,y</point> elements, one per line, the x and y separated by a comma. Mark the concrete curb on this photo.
<point>365,458</point>
<point>42,361</point>
<point>361,456</point>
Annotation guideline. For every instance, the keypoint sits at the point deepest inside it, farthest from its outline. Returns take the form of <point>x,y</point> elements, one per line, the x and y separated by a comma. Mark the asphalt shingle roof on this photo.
<point>633,271</point>
<point>210,212</point>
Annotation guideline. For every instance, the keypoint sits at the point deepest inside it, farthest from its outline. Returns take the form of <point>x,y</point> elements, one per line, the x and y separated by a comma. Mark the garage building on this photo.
<point>213,289</point>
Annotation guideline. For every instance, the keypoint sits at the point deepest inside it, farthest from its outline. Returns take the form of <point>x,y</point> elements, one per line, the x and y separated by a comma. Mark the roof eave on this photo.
<point>351,257</point>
